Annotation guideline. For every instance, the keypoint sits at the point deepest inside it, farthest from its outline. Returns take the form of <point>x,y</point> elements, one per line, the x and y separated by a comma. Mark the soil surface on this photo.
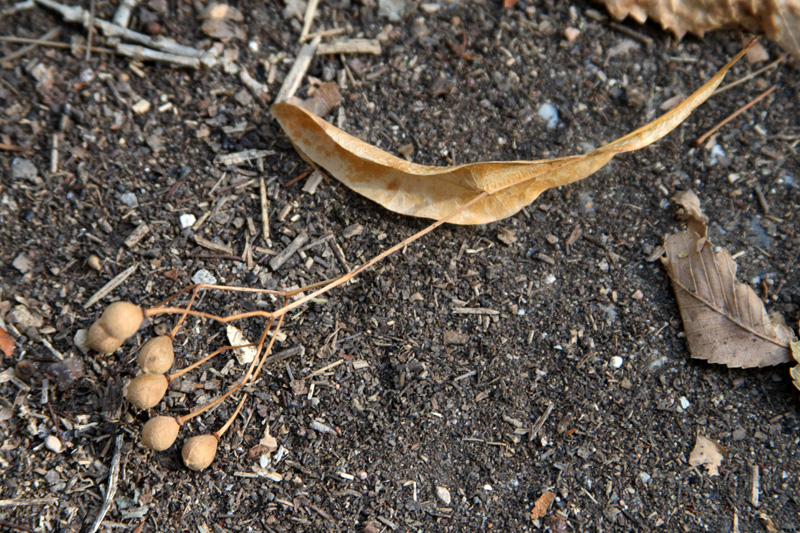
<point>575,378</point>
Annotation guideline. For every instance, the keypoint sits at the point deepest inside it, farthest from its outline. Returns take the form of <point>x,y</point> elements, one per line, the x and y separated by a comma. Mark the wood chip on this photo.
<point>298,71</point>
<point>313,181</point>
<point>278,261</point>
<point>475,311</point>
<point>137,235</point>
<point>244,156</point>
<point>214,246</point>
<point>351,46</point>
<point>264,208</point>
<point>118,280</point>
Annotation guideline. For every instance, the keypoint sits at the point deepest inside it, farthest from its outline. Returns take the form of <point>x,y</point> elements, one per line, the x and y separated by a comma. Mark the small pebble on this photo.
<point>52,443</point>
<point>141,107</point>
<point>637,295</point>
<point>716,153</point>
<point>443,494</point>
<point>204,276</point>
<point>22,168</point>
<point>187,220</point>
<point>645,477</point>
<point>23,263</point>
<point>81,340</point>
<point>130,200</point>
<point>684,402</point>
<point>616,362</point>
<point>571,33</point>
<point>549,114</point>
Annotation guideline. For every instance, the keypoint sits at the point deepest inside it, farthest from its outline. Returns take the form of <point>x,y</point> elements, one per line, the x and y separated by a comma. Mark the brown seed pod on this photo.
<point>160,432</point>
<point>100,341</point>
<point>157,355</point>
<point>146,390</point>
<point>198,452</point>
<point>122,319</point>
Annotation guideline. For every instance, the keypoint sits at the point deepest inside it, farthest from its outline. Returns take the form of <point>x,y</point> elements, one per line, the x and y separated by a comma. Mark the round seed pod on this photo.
<point>122,319</point>
<point>198,452</point>
<point>146,390</point>
<point>157,355</point>
<point>160,432</point>
<point>100,340</point>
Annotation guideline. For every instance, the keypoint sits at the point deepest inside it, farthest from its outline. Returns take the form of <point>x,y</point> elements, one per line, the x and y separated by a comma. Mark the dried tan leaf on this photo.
<point>6,343</point>
<point>725,321</point>
<point>778,19</point>
<point>795,370</point>
<point>468,194</point>
<point>541,505</point>
<point>708,453</point>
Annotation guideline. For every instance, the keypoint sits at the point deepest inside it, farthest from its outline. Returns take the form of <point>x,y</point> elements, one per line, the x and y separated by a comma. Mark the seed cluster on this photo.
<point>120,321</point>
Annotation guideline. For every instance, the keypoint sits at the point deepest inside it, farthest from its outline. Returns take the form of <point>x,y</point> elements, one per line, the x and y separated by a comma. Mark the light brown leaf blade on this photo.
<point>708,453</point>
<point>724,320</point>
<point>438,192</point>
<point>541,505</point>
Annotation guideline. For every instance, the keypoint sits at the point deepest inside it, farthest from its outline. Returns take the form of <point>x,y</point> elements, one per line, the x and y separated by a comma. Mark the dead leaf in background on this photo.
<point>795,371</point>
<point>6,343</point>
<point>483,192</point>
<point>778,19</point>
<point>708,453</point>
<point>725,321</point>
<point>541,505</point>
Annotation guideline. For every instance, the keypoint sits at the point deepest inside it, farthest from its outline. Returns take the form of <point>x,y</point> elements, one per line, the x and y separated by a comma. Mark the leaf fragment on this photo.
<point>246,354</point>
<point>541,505</point>
<point>6,343</point>
<point>724,319</point>
<point>778,19</point>
<point>476,193</point>
<point>708,453</point>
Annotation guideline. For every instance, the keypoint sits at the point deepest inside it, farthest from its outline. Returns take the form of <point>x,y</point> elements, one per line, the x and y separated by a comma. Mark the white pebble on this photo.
<point>549,114</point>
<point>616,361</point>
<point>684,402</point>
<point>716,153</point>
<point>204,276</point>
<point>187,220</point>
<point>52,443</point>
<point>130,200</point>
<point>645,477</point>
<point>443,494</point>
<point>141,107</point>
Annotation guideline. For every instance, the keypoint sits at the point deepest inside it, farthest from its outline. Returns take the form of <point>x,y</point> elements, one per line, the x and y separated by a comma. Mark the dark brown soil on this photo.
<point>445,399</point>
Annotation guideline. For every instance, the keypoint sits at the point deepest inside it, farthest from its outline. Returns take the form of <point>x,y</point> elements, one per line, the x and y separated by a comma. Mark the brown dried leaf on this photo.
<point>724,319</point>
<point>6,343</point>
<point>795,370</point>
<point>709,453</point>
<point>778,19</point>
<point>468,194</point>
<point>541,505</point>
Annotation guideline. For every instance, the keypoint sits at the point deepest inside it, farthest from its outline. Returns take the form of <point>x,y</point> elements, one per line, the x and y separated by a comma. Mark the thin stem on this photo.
<point>183,419</point>
<point>260,345</point>
<point>184,315</point>
<point>222,319</point>
<point>194,365</point>
<point>221,431</point>
<point>347,277</point>
<point>268,350</point>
